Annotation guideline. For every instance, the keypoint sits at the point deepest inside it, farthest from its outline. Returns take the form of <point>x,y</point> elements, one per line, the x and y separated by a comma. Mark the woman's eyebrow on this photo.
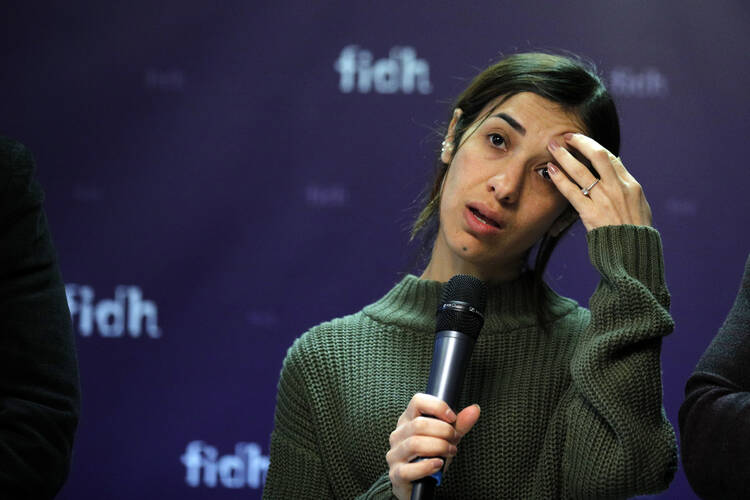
<point>512,122</point>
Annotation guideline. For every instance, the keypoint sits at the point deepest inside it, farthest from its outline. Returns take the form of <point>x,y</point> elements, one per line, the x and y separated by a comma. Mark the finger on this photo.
<point>420,446</point>
<point>576,170</point>
<point>598,155</point>
<point>428,426</point>
<point>424,426</point>
<point>407,472</point>
<point>622,172</point>
<point>607,164</point>
<point>466,419</point>
<point>568,188</point>
<point>425,404</point>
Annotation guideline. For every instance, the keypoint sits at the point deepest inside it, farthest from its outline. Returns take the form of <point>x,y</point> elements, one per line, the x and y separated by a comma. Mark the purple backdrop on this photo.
<point>222,176</point>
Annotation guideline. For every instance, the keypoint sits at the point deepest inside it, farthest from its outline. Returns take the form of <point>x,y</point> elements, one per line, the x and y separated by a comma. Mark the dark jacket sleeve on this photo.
<point>39,387</point>
<point>715,416</point>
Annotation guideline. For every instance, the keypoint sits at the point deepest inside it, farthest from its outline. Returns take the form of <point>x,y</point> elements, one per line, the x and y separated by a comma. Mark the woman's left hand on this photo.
<point>615,199</point>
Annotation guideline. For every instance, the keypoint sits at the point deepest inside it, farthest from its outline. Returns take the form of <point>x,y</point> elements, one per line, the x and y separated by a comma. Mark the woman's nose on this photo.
<point>506,184</point>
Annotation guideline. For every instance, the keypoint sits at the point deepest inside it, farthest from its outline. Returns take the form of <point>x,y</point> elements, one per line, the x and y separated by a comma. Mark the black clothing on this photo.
<point>39,387</point>
<point>715,417</point>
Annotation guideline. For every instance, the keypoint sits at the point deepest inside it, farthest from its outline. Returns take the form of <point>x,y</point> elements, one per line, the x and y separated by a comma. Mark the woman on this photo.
<point>570,398</point>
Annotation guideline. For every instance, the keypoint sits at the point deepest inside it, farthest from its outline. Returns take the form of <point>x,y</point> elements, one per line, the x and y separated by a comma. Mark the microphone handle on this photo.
<point>423,489</point>
<point>450,360</point>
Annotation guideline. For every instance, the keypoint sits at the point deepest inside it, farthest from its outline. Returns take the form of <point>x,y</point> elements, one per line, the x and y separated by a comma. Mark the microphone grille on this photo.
<point>465,288</point>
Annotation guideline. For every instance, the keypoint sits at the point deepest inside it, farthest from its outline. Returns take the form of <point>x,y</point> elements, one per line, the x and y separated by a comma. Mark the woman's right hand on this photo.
<point>427,428</point>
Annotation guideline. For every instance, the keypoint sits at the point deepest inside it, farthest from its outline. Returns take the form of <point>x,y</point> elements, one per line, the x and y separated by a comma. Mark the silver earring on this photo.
<point>446,146</point>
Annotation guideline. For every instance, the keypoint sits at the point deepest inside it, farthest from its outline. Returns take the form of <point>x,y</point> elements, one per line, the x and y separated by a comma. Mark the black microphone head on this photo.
<point>466,298</point>
<point>465,288</point>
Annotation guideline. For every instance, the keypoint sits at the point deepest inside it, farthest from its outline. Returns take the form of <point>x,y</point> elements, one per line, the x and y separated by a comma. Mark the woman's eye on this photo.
<point>544,173</point>
<point>497,140</point>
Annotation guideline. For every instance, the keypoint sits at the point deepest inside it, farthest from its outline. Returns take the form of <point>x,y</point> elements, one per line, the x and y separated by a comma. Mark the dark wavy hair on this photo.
<point>568,81</point>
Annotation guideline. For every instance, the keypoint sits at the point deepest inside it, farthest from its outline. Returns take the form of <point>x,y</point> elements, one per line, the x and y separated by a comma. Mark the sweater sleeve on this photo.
<point>715,416</point>
<point>39,391</point>
<point>618,441</point>
<point>296,469</point>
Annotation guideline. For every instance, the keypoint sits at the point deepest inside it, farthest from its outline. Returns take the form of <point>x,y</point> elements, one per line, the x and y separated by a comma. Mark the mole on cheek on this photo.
<point>463,248</point>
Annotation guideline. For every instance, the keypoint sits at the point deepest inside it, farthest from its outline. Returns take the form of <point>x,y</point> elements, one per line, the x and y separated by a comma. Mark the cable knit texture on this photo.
<point>573,413</point>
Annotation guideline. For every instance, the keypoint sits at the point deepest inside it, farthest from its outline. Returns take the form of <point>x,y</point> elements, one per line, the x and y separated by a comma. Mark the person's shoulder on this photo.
<point>17,162</point>
<point>336,330</point>
<point>14,155</point>
<point>568,317</point>
<point>9,145</point>
<point>561,308</point>
<point>321,345</point>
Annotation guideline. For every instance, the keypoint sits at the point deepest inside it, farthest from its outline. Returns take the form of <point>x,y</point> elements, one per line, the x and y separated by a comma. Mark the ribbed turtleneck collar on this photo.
<point>412,304</point>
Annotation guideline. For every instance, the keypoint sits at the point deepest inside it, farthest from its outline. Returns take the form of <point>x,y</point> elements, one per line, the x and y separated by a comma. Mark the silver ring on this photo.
<point>587,190</point>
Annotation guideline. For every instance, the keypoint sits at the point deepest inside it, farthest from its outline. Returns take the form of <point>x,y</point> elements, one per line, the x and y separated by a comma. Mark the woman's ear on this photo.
<point>449,145</point>
<point>566,219</point>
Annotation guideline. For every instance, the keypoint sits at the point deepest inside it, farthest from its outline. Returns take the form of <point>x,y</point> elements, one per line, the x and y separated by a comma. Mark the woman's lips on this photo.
<point>480,222</point>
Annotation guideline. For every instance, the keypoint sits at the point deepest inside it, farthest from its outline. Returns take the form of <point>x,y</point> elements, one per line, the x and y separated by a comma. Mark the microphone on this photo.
<point>460,317</point>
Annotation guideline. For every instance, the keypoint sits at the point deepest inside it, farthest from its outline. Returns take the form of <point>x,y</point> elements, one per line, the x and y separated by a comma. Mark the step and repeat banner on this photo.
<point>221,176</point>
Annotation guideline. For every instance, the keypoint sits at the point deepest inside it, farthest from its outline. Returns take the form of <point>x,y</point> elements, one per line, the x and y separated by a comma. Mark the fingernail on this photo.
<point>450,415</point>
<point>553,171</point>
<point>553,145</point>
<point>452,450</point>
<point>568,136</point>
<point>437,464</point>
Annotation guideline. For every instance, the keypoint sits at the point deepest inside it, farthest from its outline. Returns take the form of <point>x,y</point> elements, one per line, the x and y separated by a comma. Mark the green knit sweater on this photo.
<point>572,413</point>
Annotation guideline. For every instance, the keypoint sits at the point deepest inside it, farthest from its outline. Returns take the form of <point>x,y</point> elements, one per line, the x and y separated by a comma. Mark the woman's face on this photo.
<point>497,199</point>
